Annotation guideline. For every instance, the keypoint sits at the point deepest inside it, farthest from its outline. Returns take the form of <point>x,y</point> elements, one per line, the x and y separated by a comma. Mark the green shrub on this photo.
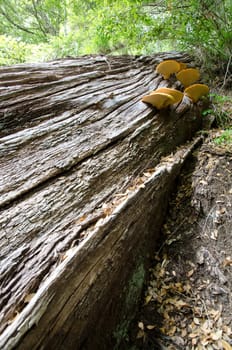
<point>12,51</point>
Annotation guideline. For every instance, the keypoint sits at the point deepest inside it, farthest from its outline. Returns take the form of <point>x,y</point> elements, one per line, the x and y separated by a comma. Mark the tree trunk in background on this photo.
<point>83,194</point>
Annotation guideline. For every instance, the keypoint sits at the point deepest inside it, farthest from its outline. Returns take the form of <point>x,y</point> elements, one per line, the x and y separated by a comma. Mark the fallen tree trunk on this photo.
<point>83,194</point>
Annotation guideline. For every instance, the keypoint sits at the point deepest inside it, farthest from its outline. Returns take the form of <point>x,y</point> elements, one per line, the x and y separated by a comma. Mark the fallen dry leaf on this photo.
<point>226,345</point>
<point>148,299</point>
<point>214,234</point>
<point>196,321</point>
<point>215,314</point>
<point>227,261</point>
<point>205,341</point>
<point>193,335</point>
<point>184,333</point>
<point>150,326</point>
<point>172,331</point>
<point>178,303</point>
<point>187,288</point>
<point>190,273</point>
<point>140,334</point>
<point>166,315</point>
<point>227,330</point>
<point>216,335</point>
<point>203,182</point>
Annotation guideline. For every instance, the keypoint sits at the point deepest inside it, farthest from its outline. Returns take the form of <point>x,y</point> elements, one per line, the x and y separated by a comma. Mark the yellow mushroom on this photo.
<point>159,100</point>
<point>196,91</point>
<point>176,94</point>
<point>188,76</point>
<point>168,67</point>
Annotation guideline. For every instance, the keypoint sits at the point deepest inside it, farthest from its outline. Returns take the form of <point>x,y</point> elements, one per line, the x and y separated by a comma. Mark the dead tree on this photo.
<point>84,185</point>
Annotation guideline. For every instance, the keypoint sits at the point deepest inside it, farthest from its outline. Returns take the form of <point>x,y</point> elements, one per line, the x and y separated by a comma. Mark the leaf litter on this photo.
<point>187,303</point>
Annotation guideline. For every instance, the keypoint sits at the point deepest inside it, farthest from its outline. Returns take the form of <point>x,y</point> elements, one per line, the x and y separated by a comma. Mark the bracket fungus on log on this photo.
<point>176,94</point>
<point>168,67</point>
<point>196,91</point>
<point>160,100</point>
<point>188,76</point>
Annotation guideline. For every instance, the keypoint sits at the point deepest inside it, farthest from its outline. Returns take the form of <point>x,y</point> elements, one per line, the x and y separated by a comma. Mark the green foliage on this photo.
<point>220,108</point>
<point>109,26</point>
<point>64,45</point>
<point>32,20</point>
<point>200,26</point>
<point>225,138</point>
<point>12,51</point>
<point>74,27</point>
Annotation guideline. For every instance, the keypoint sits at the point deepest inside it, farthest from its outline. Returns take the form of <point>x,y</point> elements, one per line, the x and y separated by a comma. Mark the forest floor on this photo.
<point>187,302</point>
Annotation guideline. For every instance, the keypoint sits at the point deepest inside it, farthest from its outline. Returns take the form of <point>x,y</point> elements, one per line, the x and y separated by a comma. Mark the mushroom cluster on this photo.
<point>163,97</point>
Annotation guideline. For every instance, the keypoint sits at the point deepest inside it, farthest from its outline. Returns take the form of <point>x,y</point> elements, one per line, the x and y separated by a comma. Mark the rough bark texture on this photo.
<point>82,195</point>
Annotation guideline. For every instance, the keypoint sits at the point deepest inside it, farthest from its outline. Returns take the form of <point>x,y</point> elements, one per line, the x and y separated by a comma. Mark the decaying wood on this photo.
<point>82,195</point>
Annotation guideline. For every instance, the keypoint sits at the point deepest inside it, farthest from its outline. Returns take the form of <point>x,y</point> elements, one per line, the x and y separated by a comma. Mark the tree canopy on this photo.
<point>35,30</point>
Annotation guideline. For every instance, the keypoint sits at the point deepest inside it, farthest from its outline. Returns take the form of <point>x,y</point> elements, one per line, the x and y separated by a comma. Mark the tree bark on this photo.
<point>83,194</point>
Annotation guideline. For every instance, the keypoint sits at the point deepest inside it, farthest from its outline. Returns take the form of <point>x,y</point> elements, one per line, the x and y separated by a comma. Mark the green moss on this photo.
<point>135,286</point>
<point>121,333</point>
<point>130,296</point>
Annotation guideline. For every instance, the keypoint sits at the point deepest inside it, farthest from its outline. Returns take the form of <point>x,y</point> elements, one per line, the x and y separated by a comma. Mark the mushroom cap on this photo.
<point>168,67</point>
<point>159,100</point>
<point>196,91</point>
<point>188,76</point>
<point>176,94</point>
